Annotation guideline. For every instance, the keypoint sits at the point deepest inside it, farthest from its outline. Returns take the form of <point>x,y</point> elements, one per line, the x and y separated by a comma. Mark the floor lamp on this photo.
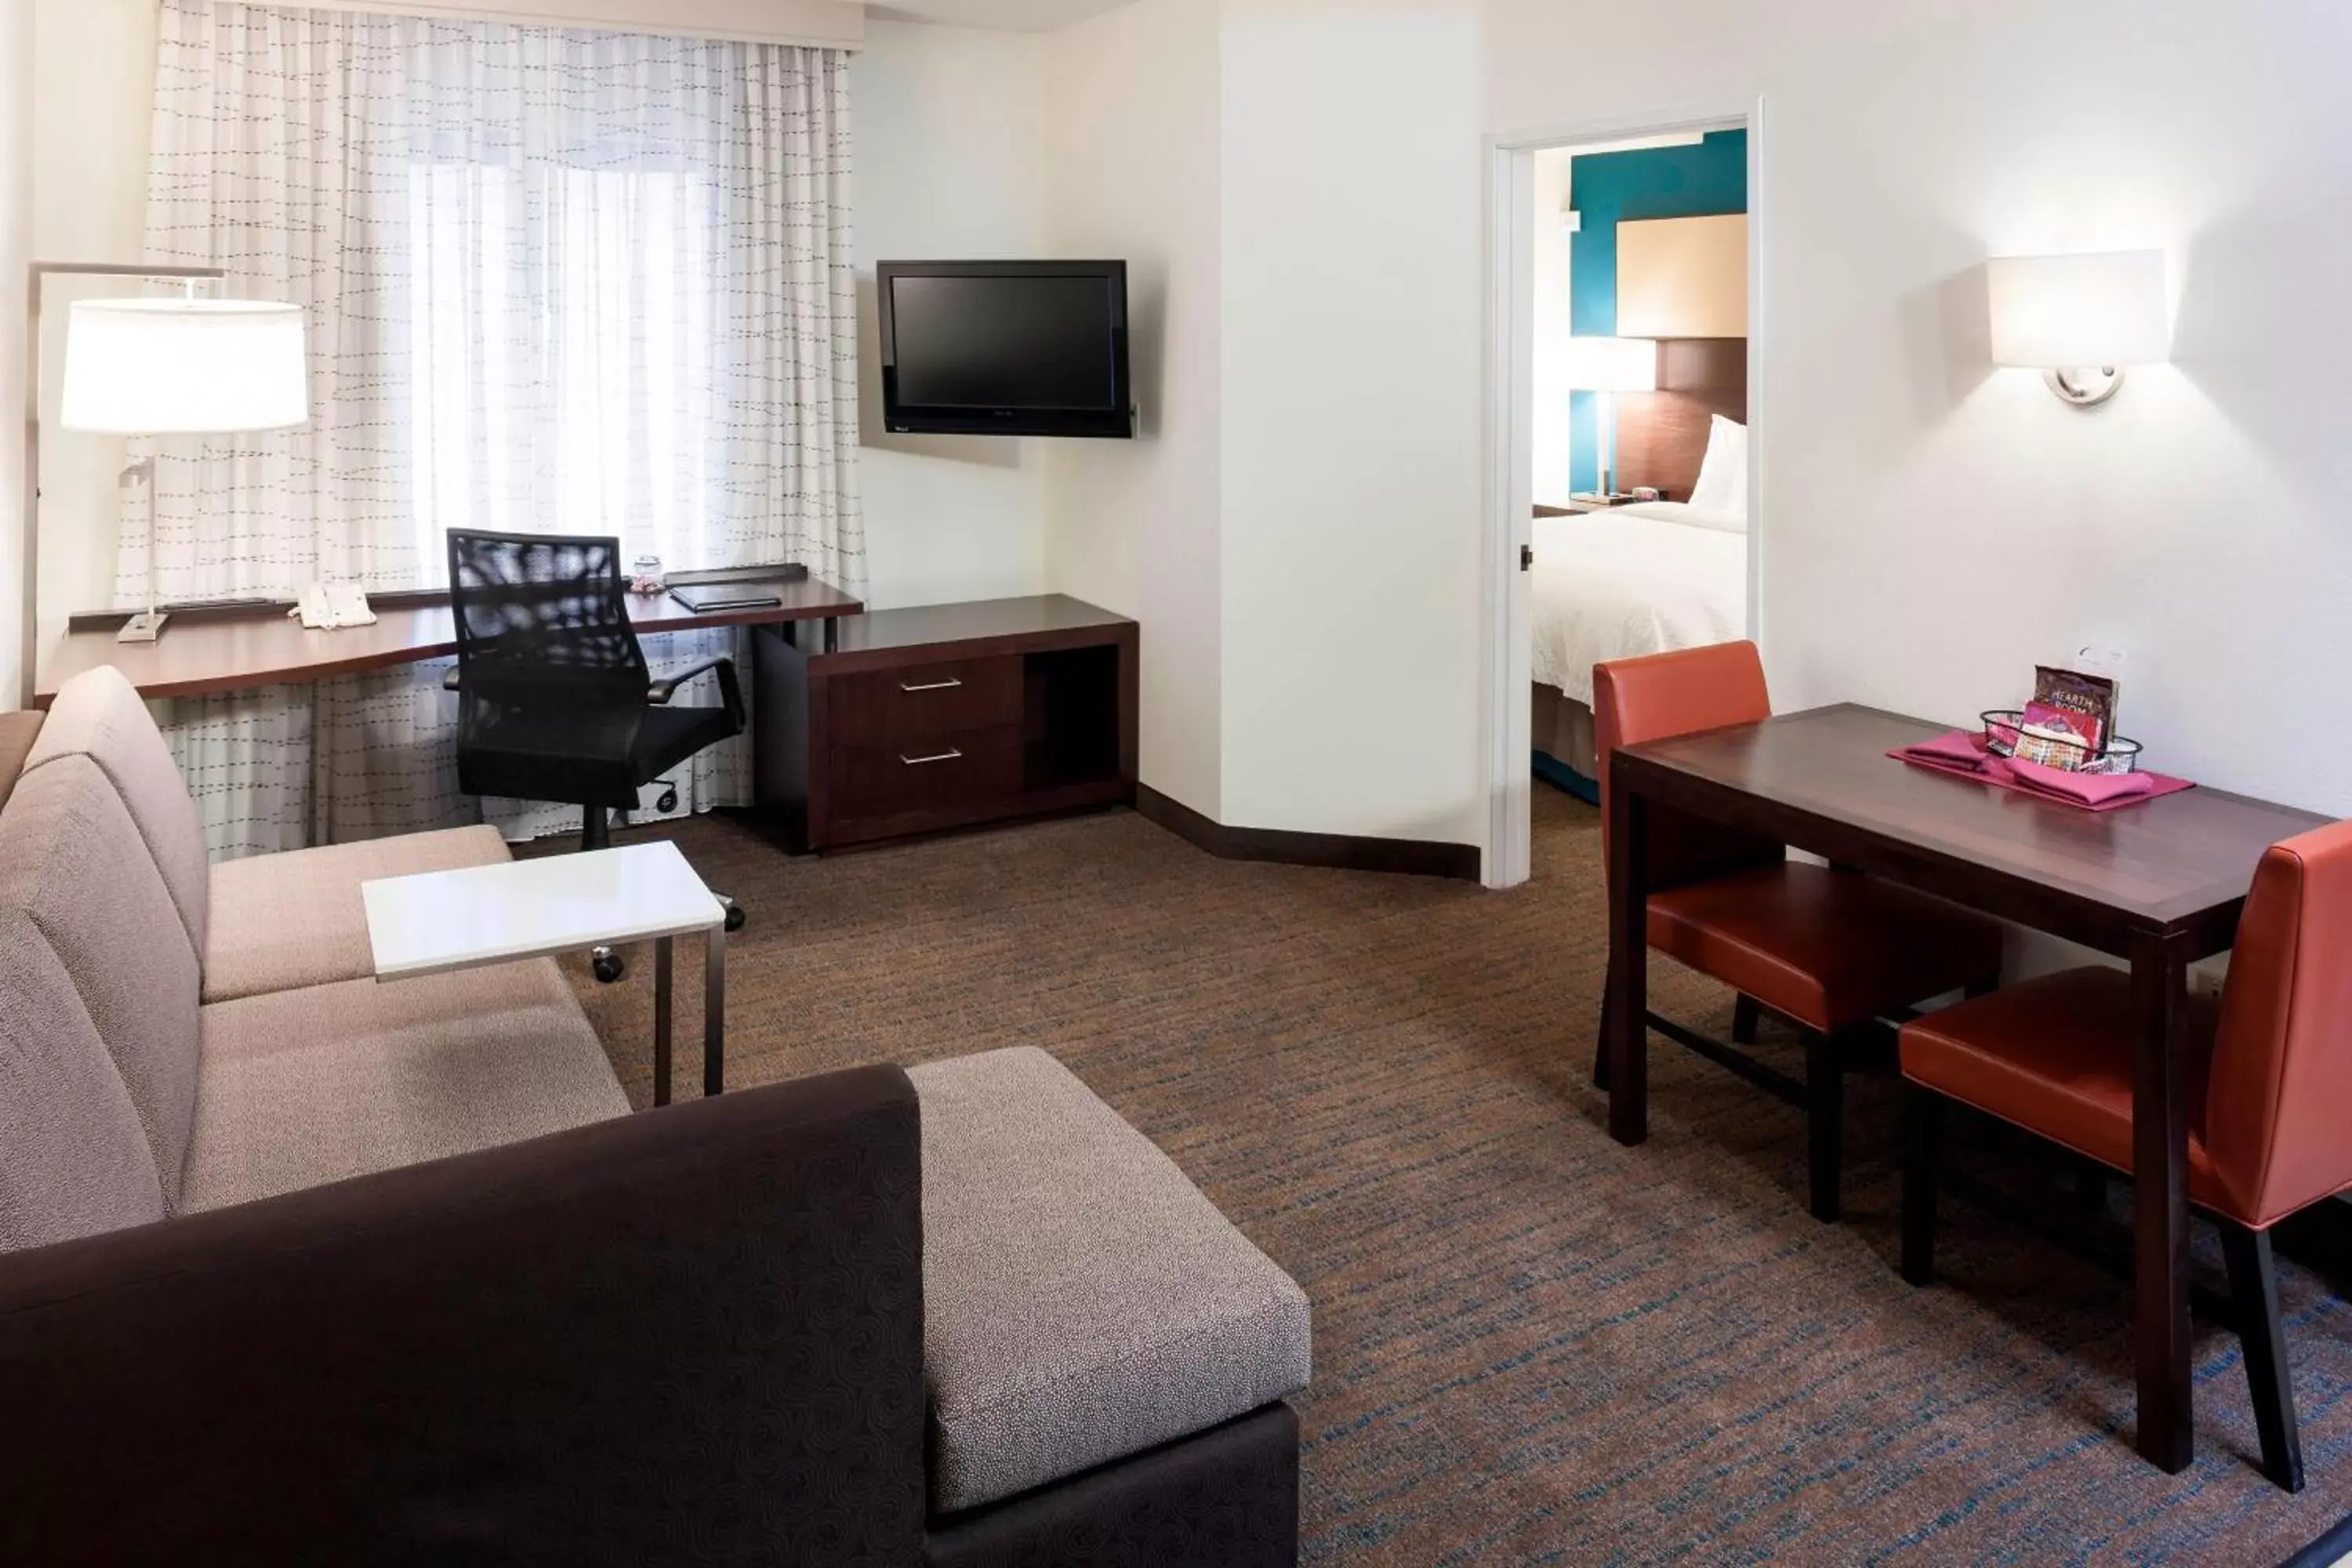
<point>1608,366</point>
<point>185,366</point>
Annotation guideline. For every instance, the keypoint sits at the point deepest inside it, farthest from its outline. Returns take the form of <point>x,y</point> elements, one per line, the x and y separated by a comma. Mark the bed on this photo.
<point>1620,582</point>
<point>1617,583</point>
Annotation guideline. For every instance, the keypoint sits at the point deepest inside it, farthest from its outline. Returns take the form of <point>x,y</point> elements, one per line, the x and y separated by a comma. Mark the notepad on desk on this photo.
<point>707,598</point>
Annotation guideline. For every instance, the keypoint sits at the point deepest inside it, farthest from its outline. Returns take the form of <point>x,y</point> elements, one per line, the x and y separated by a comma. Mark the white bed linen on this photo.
<point>1629,581</point>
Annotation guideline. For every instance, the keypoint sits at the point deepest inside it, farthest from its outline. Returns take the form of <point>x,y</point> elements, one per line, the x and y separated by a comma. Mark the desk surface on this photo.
<point>204,653</point>
<point>2164,864</point>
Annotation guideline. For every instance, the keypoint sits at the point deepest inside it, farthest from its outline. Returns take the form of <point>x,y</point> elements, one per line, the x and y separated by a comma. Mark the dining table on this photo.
<point>2158,883</point>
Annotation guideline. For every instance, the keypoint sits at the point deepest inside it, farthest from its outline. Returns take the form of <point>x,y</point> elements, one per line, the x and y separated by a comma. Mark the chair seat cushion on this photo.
<point>1082,1300</point>
<point>1826,948</point>
<point>2054,1057</point>
<point>593,757</point>
<point>300,1088</point>
<point>281,921</point>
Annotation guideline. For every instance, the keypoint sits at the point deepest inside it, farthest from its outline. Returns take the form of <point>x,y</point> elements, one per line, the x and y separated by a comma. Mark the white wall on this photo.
<point>1351,333</point>
<point>16,250</point>
<point>950,164</point>
<point>94,84</point>
<point>1930,527</point>
<point>1133,526</point>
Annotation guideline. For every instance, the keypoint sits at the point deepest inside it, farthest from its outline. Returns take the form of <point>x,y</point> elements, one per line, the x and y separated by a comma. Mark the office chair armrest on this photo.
<point>449,679</point>
<point>730,688</point>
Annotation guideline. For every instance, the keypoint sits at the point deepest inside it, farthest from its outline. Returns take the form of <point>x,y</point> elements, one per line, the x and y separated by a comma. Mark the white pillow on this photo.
<point>1723,476</point>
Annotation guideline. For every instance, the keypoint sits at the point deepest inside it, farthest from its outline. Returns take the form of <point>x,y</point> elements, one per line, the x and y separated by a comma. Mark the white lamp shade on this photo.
<point>2068,312</point>
<point>1612,364</point>
<point>184,367</point>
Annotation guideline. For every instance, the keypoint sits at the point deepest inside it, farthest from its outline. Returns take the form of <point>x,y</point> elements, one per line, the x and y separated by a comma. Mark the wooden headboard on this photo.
<point>1662,434</point>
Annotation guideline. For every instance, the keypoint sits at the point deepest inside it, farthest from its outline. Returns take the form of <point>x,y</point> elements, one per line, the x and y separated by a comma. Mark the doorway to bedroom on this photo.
<point>1624,299</point>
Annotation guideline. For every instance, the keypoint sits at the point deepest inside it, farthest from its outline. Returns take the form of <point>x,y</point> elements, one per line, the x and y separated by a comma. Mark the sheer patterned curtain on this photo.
<point>559,281</point>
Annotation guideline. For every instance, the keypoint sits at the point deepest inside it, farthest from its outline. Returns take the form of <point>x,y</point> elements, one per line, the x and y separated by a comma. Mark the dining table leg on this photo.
<point>2160,1199</point>
<point>1628,1012</point>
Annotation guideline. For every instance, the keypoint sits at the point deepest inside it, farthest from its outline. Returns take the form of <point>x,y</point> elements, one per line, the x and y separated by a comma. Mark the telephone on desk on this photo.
<point>326,605</point>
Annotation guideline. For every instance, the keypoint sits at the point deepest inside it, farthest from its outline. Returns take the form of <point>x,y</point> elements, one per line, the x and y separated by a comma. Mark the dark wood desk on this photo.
<point>2160,884</point>
<point>948,716</point>
<point>203,652</point>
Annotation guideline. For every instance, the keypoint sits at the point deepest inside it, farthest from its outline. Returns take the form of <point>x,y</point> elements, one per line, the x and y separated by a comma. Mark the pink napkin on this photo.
<point>1966,752</point>
<point>1960,749</point>
<point>2094,790</point>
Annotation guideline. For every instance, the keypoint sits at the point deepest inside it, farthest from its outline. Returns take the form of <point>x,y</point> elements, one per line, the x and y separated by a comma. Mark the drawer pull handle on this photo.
<point>950,755</point>
<point>931,686</point>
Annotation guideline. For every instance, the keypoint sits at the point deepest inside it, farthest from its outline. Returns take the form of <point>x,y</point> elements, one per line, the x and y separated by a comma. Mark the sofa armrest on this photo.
<point>690,1335</point>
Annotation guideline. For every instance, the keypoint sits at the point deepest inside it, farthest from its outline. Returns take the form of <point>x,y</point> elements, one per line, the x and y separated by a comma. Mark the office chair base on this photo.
<point>606,964</point>
<point>736,917</point>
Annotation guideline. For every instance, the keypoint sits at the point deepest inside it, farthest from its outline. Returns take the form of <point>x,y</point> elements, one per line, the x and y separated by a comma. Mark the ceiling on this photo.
<point>1019,16</point>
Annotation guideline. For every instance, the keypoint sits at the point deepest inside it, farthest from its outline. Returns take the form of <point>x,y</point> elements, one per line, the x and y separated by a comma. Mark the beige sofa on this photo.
<point>177,1036</point>
<point>426,1294</point>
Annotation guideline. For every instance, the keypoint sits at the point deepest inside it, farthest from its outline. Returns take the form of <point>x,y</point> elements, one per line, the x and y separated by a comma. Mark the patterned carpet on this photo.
<point>1531,1345</point>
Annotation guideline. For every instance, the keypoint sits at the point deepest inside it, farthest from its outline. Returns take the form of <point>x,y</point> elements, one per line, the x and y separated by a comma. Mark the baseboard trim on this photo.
<point>2326,1552</point>
<point>1327,851</point>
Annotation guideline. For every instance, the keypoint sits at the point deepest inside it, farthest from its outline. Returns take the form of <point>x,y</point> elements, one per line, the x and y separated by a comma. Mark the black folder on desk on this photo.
<point>705,598</point>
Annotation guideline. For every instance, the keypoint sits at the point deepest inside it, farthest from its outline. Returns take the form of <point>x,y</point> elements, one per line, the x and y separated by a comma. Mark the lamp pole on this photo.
<point>36,275</point>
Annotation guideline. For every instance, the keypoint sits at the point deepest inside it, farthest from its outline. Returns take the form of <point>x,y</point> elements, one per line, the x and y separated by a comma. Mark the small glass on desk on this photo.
<point>645,577</point>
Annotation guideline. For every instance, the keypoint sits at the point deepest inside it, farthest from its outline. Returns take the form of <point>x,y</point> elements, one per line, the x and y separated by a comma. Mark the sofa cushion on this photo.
<point>72,862</point>
<point>98,714</point>
<point>16,734</point>
<point>278,921</point>
<point>305,1087</point>
<point>73,1158</point>
<point>1081,1300</point>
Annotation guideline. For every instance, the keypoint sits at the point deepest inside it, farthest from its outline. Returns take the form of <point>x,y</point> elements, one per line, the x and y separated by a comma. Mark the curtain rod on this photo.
<point>807,23</point>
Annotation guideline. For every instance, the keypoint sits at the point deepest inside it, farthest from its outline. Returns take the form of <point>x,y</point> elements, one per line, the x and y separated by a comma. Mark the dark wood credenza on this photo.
<point>948,716</point>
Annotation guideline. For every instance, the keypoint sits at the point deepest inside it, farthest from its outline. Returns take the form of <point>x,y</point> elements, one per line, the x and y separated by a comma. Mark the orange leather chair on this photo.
<point>2269,1090</point>
<point>1830,950</point>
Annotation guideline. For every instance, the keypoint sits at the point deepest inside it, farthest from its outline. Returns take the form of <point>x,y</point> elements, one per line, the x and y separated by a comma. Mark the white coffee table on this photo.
<point>445,921</point>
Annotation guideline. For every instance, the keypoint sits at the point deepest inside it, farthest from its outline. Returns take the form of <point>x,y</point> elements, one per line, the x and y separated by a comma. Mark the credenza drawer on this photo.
<point>939,773</point>
<point>894,705</point>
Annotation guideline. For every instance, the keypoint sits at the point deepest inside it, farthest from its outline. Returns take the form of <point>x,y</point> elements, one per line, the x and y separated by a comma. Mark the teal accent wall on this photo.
<point>1610,188</point>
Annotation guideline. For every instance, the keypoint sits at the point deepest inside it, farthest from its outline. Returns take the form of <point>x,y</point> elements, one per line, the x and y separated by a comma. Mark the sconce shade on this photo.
<point>2065,312</point>
<point>1612,364</point>
<point>184,367</point>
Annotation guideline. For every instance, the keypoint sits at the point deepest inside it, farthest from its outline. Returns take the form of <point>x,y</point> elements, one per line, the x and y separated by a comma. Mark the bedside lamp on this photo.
<point>1608,366</point>
<point>188,366</point>
<point>2081,320</point>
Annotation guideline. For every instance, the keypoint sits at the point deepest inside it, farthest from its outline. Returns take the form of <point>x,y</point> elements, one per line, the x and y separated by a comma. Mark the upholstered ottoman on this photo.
<point>1083,1301</point>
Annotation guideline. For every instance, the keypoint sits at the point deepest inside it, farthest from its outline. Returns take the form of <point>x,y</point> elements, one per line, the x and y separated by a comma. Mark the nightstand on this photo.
<point>1578,505</point>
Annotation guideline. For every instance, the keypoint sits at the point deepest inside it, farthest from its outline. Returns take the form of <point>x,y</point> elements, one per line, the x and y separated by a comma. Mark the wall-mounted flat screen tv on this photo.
<point>1005,348</point>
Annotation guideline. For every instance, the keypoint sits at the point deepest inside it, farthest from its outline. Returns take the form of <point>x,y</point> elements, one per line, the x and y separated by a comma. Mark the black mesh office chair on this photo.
<point>556,701</point>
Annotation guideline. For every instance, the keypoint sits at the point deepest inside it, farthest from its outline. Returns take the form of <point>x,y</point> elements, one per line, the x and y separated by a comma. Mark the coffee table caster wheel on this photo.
<point>736,918</point>
<point>607,965</point>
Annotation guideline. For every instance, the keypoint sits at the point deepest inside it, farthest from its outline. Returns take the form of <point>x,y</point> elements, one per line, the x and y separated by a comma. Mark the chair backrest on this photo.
<point>2281,1087</point>
<point>543,623</point>
<point>1662,695</point>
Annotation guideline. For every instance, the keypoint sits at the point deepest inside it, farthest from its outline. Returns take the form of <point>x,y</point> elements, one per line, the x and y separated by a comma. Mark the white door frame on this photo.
<point>1506,723</point>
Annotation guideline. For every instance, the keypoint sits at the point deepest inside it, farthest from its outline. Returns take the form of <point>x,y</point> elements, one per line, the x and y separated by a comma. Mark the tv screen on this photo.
<point>1005,347</point>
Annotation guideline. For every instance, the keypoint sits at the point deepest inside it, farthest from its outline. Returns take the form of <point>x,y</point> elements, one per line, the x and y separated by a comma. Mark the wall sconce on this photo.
<point>2080,318</point>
